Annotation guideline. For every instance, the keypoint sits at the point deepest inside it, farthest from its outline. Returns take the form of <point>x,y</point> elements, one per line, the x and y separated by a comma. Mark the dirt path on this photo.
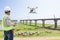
<point>37,38</point>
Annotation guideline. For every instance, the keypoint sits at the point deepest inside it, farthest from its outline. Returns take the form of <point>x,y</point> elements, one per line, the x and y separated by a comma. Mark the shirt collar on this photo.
<point>6,15</point>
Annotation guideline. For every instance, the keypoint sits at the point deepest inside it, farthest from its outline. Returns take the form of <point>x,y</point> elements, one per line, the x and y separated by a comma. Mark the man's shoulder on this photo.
<point>4,17</point>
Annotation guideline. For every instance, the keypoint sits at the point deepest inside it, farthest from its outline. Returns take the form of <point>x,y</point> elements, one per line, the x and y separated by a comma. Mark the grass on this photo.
<point>1,34</point>
<point>43,31</point>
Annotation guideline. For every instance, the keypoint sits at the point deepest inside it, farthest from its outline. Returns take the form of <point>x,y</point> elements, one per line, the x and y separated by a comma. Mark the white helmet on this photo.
<point>7,8</point>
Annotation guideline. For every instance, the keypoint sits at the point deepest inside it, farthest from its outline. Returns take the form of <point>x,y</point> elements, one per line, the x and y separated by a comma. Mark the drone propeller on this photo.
<point>29,7</point>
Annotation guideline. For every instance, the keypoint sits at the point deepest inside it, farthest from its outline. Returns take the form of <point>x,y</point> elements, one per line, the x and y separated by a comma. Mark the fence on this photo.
<point>43,21</point>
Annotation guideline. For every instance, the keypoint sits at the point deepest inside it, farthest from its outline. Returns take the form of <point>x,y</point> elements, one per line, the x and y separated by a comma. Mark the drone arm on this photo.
<point>36,7</point>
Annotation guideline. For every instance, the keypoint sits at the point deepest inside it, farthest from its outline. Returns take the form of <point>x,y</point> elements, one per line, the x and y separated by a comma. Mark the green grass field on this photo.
<point>1,34</point>
<point>43,31</point>
<point>39,31</point>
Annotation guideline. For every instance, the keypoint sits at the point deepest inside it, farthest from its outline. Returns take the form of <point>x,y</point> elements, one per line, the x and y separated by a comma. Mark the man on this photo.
<point>7,25</point>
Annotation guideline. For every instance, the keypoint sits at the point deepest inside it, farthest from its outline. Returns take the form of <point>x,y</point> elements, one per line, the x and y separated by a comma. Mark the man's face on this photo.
<point>7,12</point>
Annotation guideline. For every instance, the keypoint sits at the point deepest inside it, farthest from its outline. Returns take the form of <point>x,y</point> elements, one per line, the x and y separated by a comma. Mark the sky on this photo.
<point>19,10</point>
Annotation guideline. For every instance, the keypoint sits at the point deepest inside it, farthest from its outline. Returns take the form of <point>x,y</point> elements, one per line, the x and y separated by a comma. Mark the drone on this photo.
<point>32,10</point>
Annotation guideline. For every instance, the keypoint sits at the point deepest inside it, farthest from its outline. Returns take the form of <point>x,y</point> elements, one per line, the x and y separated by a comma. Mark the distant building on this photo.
<point>14,21</point>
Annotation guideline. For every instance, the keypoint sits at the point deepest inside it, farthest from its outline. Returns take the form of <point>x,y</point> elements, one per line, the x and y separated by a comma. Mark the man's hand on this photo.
<point>14,24</point>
